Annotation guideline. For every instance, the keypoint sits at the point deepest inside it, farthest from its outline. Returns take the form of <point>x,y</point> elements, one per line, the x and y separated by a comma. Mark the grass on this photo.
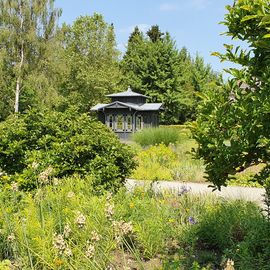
<point>152,136</point>
<point>181,164</point>
<point>66,226</point>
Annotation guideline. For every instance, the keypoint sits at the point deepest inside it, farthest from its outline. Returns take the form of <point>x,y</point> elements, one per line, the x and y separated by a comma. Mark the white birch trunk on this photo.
<point>19,79</point>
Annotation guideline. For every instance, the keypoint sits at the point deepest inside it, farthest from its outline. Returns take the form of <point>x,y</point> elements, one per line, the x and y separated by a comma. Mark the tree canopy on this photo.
<point>233,128</point>
<point>27,47</point>
<point>155,67</point>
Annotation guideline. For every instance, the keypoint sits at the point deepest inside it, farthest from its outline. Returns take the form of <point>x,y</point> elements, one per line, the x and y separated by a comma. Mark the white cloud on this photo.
<point>168,7</point>
<point>142,26</point>
<point>199,4</point>
<point>184,4</point>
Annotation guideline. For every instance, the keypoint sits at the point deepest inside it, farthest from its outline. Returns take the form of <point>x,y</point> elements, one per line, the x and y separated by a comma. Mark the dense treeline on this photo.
<point>45,65</point>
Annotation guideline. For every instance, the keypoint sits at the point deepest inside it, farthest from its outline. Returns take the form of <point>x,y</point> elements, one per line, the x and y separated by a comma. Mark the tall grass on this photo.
<point>152,136</point>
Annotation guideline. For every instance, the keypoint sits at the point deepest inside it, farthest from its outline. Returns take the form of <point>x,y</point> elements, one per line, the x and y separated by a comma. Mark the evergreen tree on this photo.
<point>93,60</point>
<point>27,36</point>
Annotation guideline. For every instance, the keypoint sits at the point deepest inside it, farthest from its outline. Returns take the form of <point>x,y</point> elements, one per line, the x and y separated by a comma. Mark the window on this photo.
<point>129,122</point>
<point>120,123</point>
<point>139,122</point>
<point>110,121</point>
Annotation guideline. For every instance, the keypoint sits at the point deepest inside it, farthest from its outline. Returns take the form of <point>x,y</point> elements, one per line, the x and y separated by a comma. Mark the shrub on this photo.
<point>36,147</point>
<point>155,163</point>
<point>152,136</point>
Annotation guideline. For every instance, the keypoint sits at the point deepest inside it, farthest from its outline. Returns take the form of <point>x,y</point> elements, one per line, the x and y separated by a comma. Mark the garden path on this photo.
<point>231,192</point>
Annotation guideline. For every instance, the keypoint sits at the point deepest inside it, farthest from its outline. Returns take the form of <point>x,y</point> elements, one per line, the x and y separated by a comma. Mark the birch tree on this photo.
<point>27,30</point>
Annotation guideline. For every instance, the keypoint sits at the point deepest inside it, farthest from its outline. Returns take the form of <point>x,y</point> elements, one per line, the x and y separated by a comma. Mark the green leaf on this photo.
<point>249,17</point>
<point>246,7</point>
<point>266,36</point>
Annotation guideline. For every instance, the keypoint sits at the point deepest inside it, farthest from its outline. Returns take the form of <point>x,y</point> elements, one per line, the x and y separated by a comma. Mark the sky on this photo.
<point>191,23</point>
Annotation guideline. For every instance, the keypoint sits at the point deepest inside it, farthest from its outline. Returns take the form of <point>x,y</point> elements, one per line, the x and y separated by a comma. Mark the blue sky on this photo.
<point>191,23</point>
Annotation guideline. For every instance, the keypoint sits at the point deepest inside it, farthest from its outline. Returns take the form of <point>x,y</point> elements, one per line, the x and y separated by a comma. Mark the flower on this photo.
<point>95,237</point>
<point>109,210</point>
<point>131,205</point>
<point>68,252</point>
<point>14,186</point>
<point>67,231</point>
<point>44,176</point>
<point>80,220</point>
<point>191,220</point>
<point>183,190</point>
<point>90,252</point>
<point>70,194</point>
<point>11,237</point>
<point>59,243</point>
<point>122,228</point>
<point>34,165</point>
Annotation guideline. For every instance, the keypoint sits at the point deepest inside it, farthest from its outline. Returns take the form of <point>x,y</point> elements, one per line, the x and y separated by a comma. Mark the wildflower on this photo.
<point>11,237</point>
<point>80,220</point>
<point>109,210</point>
<point>131,205</point>
<point>191,220</point>
<point>122,228</point>
<point>171,220</point>
<point>183,190</point>
<point>58,262</point>
<point>68,252</point>
<point>95,237</point>
<point>34,165</point>
<point>70,194</point>
<point>14,186</point>
<point>230,265</point>
<point>67,231</point>
<point>109,196</point>
<point>55,181</point>
<point>44,176</point>
<point>90,252</point>
<point>59,243</point>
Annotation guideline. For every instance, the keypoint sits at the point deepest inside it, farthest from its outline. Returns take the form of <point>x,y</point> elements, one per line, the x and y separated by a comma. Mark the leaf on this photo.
<point>266,36</point>
<point>249,17</point>
<point>246,7</point>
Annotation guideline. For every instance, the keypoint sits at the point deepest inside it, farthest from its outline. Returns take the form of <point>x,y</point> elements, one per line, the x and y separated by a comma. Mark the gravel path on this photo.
<point>245,193</point>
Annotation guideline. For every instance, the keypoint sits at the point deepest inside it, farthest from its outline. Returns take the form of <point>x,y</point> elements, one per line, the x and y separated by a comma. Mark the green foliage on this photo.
<point>232,128</point>
<point>181,166</point>
<point>155,163</point>
<point>36,147</point>
<point>27,56</point>
<point>152,136</point>
<point>66,225</point>
<point>92,58</point>
<point>155,67</point>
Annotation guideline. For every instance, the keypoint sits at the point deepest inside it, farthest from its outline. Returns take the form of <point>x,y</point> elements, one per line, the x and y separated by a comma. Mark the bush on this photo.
<point>37,147</point>
<point>152,136</point>
<point>156,163</point>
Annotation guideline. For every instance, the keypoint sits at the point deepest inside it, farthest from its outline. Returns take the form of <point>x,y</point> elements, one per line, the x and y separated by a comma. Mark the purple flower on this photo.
<point>184,189</point>
<point>191,220</point>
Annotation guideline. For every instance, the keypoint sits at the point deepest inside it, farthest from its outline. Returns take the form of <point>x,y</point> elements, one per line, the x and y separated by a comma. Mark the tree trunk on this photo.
<point>18,82</point>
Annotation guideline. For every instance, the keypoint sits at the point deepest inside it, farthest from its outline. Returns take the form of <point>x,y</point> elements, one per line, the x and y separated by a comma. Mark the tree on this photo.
<point>27,35</point>
<point>155,67</point>
<point>233,128</point>
<point>93,60</point>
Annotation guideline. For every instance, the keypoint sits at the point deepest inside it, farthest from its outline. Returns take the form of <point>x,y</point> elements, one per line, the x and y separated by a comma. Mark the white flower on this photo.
<point>11,237</point>
<point>80,220</point>
<point>90,252</point>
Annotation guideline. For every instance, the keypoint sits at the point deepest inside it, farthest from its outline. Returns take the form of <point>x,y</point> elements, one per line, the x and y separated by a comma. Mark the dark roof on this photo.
<point>143,107</point>
<point>128,93</point>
